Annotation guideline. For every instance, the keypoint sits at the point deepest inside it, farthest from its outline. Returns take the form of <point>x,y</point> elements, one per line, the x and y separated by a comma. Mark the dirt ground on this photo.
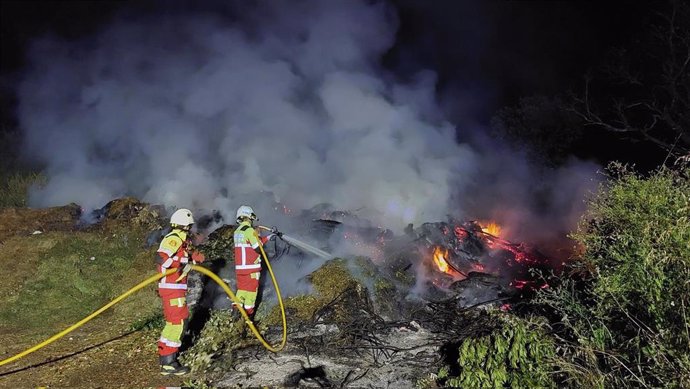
<point>99,355</point>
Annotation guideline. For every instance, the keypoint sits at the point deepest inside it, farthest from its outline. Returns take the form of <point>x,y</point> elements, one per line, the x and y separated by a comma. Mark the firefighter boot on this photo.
<point>170,365</point>
<point>235,312</point>
<point>245,324</point>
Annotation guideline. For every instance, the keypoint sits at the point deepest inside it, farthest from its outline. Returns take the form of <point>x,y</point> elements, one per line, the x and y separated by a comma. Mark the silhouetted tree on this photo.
<point>643,92</point>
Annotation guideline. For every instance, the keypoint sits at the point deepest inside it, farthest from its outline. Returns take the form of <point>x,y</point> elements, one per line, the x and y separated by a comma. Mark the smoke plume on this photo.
<point>285,104</point>
<point>263,103</point>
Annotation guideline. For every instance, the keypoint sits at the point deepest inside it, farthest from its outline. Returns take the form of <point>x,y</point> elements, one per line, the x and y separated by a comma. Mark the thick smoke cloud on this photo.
<point>271,102</point>
<point>287,104</point>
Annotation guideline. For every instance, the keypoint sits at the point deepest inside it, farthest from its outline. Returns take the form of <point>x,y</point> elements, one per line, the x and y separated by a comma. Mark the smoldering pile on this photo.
<point>384,314</point>
<point>383,311</point>
<point>464,261</point>
<point>452,258</point>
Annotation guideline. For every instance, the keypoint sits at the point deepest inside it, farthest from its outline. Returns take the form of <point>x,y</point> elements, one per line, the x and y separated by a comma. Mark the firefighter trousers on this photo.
<point>175,312</point>
<point>247,289</point>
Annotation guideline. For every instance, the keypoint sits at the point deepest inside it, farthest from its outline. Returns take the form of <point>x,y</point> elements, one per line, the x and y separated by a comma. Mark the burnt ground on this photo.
<point>364,352</point>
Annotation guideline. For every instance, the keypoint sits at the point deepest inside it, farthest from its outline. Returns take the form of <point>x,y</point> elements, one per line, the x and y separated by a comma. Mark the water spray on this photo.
<point>302,245</point>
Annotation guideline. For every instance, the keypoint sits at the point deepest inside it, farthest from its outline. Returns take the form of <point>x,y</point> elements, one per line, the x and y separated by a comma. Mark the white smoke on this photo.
<point>282,102</point>
<point>265,102</point>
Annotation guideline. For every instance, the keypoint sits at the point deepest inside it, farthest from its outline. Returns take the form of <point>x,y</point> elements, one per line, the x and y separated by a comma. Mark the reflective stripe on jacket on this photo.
<point>247,241</point>
<point>173,255</point>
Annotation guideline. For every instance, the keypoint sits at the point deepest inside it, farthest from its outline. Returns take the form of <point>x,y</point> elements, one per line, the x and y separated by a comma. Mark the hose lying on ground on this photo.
<point>155,278</point>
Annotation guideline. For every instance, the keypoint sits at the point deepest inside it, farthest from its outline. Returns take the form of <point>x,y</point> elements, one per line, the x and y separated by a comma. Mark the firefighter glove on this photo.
<point>274,231</point>
<point>185,271</point>
<point>198,257</point>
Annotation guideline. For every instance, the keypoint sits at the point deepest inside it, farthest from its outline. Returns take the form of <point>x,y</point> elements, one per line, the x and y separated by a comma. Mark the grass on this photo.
<point>14,187</point>
<point>51,282</point>
<point>59,282</point>
<point>154,321</point>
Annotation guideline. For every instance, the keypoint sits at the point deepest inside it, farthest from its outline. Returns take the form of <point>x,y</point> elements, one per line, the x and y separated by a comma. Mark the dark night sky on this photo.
<point>518,48</point>
<point>497,51</point>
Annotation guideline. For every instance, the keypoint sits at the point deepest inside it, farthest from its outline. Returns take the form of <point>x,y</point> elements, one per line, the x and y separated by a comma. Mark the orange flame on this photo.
<point>491,228</point>
<point>440,260</point>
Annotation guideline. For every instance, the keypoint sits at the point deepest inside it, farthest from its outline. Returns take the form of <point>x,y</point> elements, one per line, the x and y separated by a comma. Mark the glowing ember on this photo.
<point>460,233</point>
<point>491,228</point>
<point>474,247</point>
<point>440,260</point>
<point>283,208</point>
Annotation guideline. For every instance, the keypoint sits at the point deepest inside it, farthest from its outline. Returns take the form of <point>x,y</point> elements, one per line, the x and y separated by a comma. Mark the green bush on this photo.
<point>220,335</point>
<point>628,318</point>
<point>517,354</point>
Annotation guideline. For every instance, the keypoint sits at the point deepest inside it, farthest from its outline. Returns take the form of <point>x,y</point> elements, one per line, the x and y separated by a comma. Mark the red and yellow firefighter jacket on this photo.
<point>247,241</point>
<point>173,254</point>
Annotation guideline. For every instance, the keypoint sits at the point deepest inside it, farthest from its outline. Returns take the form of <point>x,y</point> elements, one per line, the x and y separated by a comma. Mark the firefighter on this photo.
<point>248,257</point>
<point>174,252</point>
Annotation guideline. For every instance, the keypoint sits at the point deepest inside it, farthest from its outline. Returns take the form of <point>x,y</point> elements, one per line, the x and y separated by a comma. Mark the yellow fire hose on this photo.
<point>155,278</point>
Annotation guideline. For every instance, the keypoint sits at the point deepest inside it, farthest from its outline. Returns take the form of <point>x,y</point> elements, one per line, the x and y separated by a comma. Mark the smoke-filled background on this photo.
<point>267,103</point>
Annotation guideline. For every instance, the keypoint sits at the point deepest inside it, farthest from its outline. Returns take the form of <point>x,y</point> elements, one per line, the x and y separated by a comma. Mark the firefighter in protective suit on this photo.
<point>248,258</point>
<point>175,252</point>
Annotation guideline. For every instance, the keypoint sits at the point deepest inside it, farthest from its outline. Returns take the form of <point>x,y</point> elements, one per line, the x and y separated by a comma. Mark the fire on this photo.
<point>440,260</point>
<point>476,247</point>
<point>491,228</point>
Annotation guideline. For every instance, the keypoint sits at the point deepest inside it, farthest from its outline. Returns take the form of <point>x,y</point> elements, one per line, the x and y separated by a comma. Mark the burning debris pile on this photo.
<point>468,259</point>
<point>465,252</point>
<point>465,261</point>
<point>384,312</point>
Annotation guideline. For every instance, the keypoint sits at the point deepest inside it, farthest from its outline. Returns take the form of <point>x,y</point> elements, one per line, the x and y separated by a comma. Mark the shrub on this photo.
<point>517,354</point>
<point>629,318</point>
<point>220,335</point>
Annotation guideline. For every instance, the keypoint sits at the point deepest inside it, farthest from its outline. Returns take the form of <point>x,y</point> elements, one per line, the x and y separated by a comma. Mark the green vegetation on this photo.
<point>155,321</point>
<point>516,354</point>
<point>329,281</point>
<point>62,277</point>
<point>625,315</point>
<point>14,188</point>
<point>220,335</point>
<point>220,244</point>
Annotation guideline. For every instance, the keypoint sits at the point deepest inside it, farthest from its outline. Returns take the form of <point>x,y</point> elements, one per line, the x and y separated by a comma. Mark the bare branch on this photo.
<point>639,101</point>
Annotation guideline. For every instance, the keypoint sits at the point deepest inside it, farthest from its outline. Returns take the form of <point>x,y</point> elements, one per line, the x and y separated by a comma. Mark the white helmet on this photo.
<point>246,211</point>
<point>182,217</point>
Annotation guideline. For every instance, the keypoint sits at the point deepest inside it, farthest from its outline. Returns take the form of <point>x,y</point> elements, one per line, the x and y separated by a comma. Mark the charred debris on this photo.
<point>383,314</point>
